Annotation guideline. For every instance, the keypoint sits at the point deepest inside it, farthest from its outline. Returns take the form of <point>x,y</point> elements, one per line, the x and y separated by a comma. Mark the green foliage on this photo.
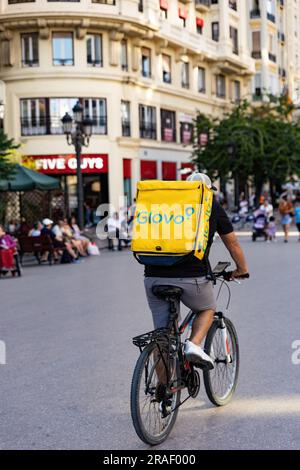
<point>260,142</point>
<point>7,147</point>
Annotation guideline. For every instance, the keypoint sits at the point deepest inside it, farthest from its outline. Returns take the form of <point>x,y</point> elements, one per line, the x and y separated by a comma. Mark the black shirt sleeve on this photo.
<point>224,226</point>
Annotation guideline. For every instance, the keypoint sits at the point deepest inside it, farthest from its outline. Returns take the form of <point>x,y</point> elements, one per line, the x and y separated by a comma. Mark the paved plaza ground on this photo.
<point>68,330</point>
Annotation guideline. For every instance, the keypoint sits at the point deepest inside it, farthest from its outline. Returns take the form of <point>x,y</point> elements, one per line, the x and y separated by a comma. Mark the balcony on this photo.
<point>202,5</point>
<point>148,130</point>
<point>126,131</point>
<point>51,125</point>
<point>256,55</point>
<point>255,13</point>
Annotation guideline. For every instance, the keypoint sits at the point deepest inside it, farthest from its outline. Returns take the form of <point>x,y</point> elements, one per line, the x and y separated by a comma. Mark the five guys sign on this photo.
<point>66,164</point>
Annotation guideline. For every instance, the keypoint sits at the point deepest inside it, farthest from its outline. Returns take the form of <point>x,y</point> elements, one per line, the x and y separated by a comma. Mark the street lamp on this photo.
<point>78,131</point>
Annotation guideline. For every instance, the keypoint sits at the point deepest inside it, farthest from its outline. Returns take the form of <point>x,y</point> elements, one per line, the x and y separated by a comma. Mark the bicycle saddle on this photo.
<point>167,291</point>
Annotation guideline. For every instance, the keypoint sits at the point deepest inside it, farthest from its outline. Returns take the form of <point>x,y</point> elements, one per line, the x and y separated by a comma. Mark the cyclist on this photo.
<point>193,276</point>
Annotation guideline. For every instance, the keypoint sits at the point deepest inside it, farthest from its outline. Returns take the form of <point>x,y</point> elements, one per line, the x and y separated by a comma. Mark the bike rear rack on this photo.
<point>143,340</point>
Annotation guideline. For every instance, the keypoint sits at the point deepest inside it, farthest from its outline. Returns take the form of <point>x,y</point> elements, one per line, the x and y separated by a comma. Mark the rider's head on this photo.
<point>196,176</point>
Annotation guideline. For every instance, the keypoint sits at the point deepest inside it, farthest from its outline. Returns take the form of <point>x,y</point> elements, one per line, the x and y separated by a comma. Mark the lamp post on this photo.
<point>2,109</point>
<point>78,131</point>
<point>231,149</point>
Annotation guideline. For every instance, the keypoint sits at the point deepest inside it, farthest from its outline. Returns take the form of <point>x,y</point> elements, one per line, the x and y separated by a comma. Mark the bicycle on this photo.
<point>162,371</point>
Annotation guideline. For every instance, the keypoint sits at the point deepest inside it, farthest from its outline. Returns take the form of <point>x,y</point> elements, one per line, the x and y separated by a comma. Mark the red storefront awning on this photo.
<point>148,169</point>
<point>164,5</point>
<point>126,168</point>
<point>169,172</point>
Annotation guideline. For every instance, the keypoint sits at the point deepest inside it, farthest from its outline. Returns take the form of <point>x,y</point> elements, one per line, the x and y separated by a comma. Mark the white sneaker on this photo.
<point>196,355</point>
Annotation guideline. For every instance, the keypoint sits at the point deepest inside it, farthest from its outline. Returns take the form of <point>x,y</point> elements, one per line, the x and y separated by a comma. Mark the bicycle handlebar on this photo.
<point>227,275</point>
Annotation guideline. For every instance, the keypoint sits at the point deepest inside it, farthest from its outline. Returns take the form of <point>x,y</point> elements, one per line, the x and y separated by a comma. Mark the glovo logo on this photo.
<point>145,217</point>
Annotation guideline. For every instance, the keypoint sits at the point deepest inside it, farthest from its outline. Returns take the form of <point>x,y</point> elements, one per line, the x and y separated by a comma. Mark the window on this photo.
<point>186,133</point>
<point>183,14</point>
<point>169,171</point>
<point>58,107</point>
<point>166,68</point>
<point>215,32</point>
<point>105,2</point>
<point>11,2</point>
<point>146,62</point>
<point>168,125</point>
<point>256,45</point>
<point>234,39</point>
<point>147,118</point>
<point>125,118</point>
<point>141,6</point>
<point>185,81</point>
<point>220,86</point>
<point>257,85</point>
<point>30,49</point>
<point>94,50</point>
<point>95,109</point>
<point>164,8</point>
<point>124,56</point>
<point>62,44</point>
<point>233,4</point>
<point>237,91</point>
<point>33,116</point>
<point>201,80</point>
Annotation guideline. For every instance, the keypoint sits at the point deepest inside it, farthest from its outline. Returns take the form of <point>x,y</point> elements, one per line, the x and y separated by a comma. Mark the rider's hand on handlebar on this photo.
<point>240,274</point>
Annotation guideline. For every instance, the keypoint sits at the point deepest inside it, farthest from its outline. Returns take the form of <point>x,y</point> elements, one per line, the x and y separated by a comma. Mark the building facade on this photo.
<point>140,69</point>
<point>274,38</point>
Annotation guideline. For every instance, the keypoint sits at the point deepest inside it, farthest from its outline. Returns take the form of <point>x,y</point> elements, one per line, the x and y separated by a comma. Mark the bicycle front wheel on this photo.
<point>151,404</point>
<point>221,381</point>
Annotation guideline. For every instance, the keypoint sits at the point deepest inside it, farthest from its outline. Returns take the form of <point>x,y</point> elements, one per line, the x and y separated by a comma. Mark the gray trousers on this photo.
<point>198,295</point>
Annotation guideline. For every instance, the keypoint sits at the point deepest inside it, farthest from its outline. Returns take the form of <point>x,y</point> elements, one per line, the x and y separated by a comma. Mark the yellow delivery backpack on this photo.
<point>171,221</point>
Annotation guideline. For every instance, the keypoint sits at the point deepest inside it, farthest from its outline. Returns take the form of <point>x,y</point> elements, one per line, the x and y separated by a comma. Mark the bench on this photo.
<point>36,246</point>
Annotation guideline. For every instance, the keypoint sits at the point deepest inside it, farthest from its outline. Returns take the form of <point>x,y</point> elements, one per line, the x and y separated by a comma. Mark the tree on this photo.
<point>7,147</point>
<point>260,143</point>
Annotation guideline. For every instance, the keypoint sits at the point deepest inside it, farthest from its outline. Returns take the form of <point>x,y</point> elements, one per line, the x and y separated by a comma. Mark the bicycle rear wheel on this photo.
<point>220,382</point>
<point>150,402</point>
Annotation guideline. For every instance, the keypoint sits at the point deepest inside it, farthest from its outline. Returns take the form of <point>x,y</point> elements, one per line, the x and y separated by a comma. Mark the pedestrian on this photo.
<point>271,230</point>
<point>267,208</point>
<point>114,228</point>
<point>36,230</point>
<point>7,249</point>
<point>297,214</point>
<point>286,212</point>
